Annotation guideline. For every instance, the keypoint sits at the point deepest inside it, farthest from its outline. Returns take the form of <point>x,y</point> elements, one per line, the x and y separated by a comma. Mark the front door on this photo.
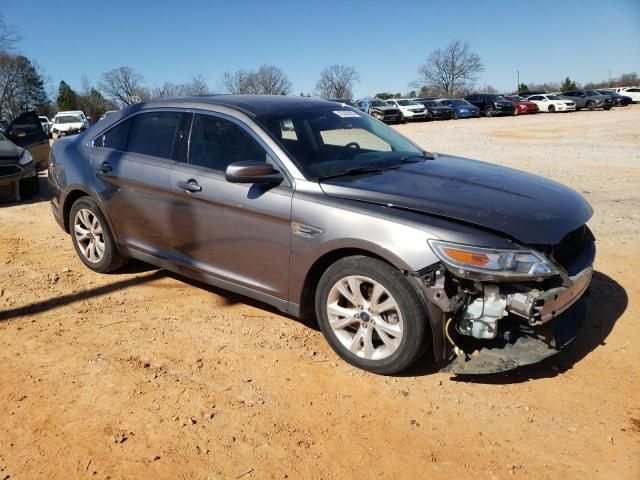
<point>240,233</point>
<point>26,131</point>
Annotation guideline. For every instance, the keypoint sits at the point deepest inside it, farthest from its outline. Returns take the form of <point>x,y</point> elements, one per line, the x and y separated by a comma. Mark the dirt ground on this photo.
<point>143,374</point>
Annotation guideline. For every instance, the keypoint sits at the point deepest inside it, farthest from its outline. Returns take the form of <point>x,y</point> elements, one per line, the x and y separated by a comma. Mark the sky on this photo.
<point>386,41</point>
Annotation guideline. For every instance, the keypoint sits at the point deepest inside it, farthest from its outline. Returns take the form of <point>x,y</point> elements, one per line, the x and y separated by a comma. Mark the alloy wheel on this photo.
<point>364,317</point>
<point>89,235</point>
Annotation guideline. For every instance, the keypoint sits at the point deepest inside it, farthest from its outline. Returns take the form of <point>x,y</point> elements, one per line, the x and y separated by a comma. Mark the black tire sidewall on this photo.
<point>415,321</point>
<point>112,258</point>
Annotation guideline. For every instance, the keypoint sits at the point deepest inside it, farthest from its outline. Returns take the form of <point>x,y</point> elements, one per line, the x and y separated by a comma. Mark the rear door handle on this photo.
<point>105,167</point>
<point>190,186</point>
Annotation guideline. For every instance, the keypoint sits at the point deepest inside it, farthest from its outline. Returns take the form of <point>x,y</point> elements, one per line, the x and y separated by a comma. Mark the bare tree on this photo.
<point>167,90</point>
<point>451,69</point>
<point>8,35</point>
<point>271,80</point>
<point>267,80</point>
<point>197,86</point>
<point>336,81</point>
<point>237,82</point>
<point>123,85</point>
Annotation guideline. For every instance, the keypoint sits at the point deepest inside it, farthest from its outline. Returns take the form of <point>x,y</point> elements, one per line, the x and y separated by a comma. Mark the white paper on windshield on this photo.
<point>346,114</point>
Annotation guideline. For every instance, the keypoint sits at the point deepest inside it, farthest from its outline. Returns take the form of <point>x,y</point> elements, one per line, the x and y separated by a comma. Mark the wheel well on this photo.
<point>68,203</point>
<point>307,299</point>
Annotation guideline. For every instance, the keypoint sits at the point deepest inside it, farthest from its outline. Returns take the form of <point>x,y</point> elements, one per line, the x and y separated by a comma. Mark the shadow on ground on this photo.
<point>44,194</point>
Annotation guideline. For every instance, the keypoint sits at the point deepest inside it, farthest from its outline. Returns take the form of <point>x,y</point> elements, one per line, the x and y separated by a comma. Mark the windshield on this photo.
<point>2,137</point>
<point>378,103</point>
<point>553,97</point>
<point>592,92</point>
<point>68,119</point>
<point>431,103</point>
<point>331,140</point>
<point>406,103</point>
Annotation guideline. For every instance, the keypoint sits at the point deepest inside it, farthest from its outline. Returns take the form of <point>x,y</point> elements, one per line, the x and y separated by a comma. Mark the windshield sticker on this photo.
<point>346,114</point>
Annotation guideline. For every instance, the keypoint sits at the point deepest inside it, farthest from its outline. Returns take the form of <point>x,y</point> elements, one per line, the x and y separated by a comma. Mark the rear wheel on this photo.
<point>371,315</point>
<point>92,238</point>
<point>455,115</point>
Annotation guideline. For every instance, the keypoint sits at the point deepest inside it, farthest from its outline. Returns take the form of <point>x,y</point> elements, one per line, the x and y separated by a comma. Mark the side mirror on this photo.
<point>17,133</point>
<point>250,171</point>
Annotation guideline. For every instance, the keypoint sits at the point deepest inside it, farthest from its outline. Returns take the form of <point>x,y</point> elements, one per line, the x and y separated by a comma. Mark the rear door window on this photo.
<point>154,134</point>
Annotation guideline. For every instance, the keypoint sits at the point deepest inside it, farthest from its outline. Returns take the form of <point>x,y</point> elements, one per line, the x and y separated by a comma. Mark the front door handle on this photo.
<point>105,167</point>
<point>190,186</point>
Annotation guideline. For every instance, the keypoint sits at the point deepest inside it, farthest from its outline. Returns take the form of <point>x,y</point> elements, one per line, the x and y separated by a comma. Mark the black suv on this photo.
<point>491,104</point>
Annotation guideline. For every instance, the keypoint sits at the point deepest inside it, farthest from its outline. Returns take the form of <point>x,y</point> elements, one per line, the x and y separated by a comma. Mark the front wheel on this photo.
<point>371,315</point>
<point>591,106</point>
<point>92,238</point>
<point>489,111</point>
<point>515,112</point>
<point>552,108</point>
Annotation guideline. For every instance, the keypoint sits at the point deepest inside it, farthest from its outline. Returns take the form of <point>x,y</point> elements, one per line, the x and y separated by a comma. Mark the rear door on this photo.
<point>26,131</point>
<point>132,164</point>
<point>240,233</point>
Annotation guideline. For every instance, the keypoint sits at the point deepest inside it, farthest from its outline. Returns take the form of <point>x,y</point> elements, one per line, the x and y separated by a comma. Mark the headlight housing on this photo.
<point>480,263</point>
<point>25,158</point>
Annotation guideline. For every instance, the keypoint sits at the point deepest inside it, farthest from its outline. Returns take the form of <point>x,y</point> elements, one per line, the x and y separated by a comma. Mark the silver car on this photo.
<point>321,210</point>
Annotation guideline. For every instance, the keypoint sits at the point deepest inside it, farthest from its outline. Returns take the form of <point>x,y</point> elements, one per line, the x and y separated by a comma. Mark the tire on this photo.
<point>97,249</point>
<point>606,108</point>
<point>552,108</point>
<point>591,106</point>
<point>515,112</point>
<point>488,111</point>
<point>29,187</point>
<point>455,115</point>
<point>385,341</point>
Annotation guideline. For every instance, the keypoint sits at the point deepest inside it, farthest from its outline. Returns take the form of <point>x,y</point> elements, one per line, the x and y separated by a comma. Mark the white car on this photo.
<point>632,92</point>
<point>68,123</point>
<point>409,109</point>
<point>46,124</point>
<point>552,103</point>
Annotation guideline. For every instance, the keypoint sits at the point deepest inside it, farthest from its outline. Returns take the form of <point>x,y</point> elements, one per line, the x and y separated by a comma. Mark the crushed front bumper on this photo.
<point>539,324</point>
<point>501,356</point>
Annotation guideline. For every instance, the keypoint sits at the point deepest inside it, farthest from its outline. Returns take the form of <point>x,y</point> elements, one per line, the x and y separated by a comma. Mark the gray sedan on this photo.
<point>320,210</point>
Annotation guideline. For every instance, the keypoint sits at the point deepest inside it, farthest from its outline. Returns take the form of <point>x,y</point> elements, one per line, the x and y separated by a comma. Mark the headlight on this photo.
<point>25,158</point>
<point>492,264</point>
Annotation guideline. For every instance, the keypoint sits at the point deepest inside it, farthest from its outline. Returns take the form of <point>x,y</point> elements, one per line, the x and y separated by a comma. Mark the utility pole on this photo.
<point>518,83</point>
<point>609,78</point>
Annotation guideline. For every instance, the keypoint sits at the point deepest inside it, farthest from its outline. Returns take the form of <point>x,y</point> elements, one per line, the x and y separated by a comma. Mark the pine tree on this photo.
<point>67,98</point>
<point>568,85</point>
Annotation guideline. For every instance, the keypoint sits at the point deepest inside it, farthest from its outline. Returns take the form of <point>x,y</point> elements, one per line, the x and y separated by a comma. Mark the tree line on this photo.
<point>451,71</point>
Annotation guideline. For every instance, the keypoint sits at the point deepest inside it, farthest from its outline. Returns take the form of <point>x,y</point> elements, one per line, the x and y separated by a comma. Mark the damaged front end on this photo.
<point>508,308</point>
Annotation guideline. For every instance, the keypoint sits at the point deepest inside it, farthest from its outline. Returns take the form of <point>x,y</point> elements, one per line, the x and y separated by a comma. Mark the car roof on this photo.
<point>70,112</point>
<point>255,105</point>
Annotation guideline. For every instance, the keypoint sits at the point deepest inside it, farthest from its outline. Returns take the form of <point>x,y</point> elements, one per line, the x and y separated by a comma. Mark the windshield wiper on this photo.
<point>355,171</point>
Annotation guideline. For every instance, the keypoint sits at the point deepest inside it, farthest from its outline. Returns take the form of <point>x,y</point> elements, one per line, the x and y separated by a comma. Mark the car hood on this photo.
<point>440,108</point>
<point>9,150</point>
<point>528,208</point>
<point>384,109</point>
<point>68,126</point>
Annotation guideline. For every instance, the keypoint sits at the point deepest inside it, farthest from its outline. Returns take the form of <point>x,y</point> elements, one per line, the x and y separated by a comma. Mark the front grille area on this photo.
<point>6,170</point>
<point>571,245</point>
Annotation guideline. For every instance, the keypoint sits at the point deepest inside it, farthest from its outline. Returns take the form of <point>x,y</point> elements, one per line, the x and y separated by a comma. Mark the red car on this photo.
<point>523,105</point>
